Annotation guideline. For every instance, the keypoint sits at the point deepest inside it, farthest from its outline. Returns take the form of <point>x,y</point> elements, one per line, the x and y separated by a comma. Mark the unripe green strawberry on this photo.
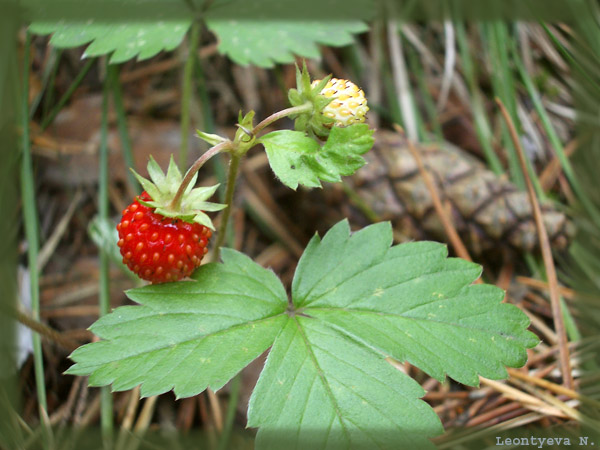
<point>158,248</point>
<point>348,104</point>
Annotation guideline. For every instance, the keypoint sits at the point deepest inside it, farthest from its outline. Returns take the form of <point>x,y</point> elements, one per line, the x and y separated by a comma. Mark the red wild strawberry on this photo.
<point>157,248</point>
<point>160,241</point>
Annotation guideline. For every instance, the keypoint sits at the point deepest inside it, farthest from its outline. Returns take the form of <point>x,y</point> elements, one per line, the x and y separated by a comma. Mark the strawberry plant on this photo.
<point>357,305</point>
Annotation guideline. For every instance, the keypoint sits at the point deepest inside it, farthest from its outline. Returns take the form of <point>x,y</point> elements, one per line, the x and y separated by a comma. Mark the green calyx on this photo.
<point>244,139</point>
<point>312,121</point>
<point>163,189</point>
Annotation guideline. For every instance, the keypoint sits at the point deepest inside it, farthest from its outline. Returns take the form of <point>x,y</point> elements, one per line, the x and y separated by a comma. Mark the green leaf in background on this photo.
<point>187,336</point>
<point>267,32</point>
<point>260,33</point>
<point>411,302</point>
<point>124,40</point>
<point>297,159</point>
<point>105,236</point>
<point>358,304</point>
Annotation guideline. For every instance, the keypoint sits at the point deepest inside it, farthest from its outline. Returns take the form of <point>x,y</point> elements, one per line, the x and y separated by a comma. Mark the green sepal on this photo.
<point>212,139</point>
<point>162,190</point>
<point>147,185</point>
<point>316,90</point>
<point>244,123</point>
<point>312,122</point>
<point>304,78</point>
<point>294,97</point>
<point>155,172</point>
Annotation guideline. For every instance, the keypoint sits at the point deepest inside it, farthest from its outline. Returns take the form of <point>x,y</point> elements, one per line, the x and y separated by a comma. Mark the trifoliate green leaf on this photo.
<point>187,336</point>
<point>320,389</point>
<point>124,40</point>
<point>357,304</point>
<point>411,302</point>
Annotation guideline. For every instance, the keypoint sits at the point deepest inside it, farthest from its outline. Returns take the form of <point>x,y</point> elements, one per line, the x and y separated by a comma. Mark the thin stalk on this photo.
<point>234,395</point>
<point>557,312</point>
<point>209,124</point>
<point>67,95</point>
<point>430,108</point>
<point>106,405</point>
<point>280,115</point>
<point>401,80</point>
<point>49,98</point>
<point>208,120</point>
<point>117,96</point>
<point>393,113</point>
<point>31,234</point>
<point>500,76</point>
<point>482,127</point>
<point>43,330</point>
<point>231,179</point>
<point>187,92</point>
<point>47,79</point>
<point>223,146</point>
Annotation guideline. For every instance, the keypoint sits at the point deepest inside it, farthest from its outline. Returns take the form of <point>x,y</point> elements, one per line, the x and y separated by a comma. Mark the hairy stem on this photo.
<point>231,179</point>
<point>223,146</point>
<point>280,115</point>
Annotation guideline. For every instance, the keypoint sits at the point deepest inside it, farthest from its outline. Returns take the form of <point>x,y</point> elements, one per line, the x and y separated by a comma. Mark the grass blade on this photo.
<point>186,95</point>
<point>30,218</point>
<point>106,405</point>
<point>67,95</point>
<point>117,96</point>
<point>482,126</point>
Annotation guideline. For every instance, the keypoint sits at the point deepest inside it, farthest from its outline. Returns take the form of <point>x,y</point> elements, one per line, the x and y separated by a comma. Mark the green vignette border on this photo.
<point>18,13</point>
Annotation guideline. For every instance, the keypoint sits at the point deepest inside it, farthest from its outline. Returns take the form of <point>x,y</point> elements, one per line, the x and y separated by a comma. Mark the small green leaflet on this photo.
<point>297,159</point>
<point>357,303</point>
<point>124,40</point>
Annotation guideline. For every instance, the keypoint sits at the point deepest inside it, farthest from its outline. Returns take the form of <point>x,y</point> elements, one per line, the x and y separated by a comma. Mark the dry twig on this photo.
<point>559,326</point>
